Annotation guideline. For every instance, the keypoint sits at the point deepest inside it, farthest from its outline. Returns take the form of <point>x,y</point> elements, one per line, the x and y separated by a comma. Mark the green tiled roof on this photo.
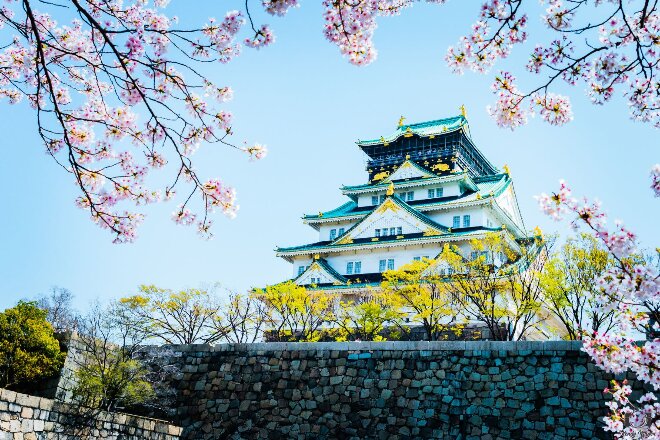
<point>486,184</point>
<point>325,244</point>
<point>439,126</point>
<point>325,266</point>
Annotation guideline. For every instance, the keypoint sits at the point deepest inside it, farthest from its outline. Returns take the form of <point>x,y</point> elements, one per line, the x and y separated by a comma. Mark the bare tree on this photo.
<point>243,319</point>
<point>61,314</point>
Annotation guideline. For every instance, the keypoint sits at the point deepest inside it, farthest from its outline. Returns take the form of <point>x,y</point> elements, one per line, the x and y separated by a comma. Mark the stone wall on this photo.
<point>25,417</point>
<point>393,390</point>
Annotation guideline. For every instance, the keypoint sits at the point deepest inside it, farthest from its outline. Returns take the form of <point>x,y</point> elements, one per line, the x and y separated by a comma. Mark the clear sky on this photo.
<point>309,106</point>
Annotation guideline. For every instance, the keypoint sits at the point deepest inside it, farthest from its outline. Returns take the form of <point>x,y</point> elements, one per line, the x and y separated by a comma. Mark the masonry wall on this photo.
<point>25,417</point>
<point>393,390</point>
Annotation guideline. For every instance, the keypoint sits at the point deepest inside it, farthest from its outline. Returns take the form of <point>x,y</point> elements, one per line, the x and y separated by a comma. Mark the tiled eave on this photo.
<point>338,248</point>
<point>366,189</point>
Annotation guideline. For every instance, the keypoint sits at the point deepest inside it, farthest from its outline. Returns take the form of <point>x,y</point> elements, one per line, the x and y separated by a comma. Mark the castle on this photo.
<point>428,185</point>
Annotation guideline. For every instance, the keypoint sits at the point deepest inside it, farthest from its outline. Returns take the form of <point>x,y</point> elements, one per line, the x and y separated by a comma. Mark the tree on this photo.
<point>242,318</point>
<point>366,317</point>
<point>422,290</point>
<point>188,316</point>
<point>89,80</point>
<point>60,311</point>
<point>108,374</point>
<point>493,284</point>
<point>569,289</point>
<point>28,348</point>
<point>605,45</point>
<point>631,286</point>
<point>297,314</point>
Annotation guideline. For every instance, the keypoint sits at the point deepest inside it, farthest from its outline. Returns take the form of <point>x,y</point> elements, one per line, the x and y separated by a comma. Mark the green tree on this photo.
<point>188,316</point>
<point>496,282</point>
<point>422,290</point>
<point>365,317</point>
<point>109,374</point>
<point>296,313</point>
<point>570,288</point>
<point>28,348</point>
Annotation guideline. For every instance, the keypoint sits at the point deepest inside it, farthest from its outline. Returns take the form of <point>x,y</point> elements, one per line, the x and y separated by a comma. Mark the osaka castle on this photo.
<point>427,185</point>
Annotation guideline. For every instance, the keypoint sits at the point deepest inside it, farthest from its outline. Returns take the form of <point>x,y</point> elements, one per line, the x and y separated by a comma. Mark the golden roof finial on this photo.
<point>317,256</point>
<point>390,189</point>
<point>401,119</point>
<point>538,232</point>
<point>407,156</point>
<point>506,169</point>
<point>463,111</point>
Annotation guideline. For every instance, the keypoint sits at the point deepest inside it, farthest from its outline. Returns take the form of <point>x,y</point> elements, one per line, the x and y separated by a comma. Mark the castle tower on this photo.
<point>428,185</point>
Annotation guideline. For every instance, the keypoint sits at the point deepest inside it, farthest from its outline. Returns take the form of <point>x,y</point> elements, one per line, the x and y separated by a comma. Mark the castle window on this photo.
<point>384,232</point>
<point>301,269</point>
<point>399,230</point>
<point>382,198</point>
<point>374,200</point>
<point>439,192</point>
<point>466,221</point>
<point>358,267</point>
<point>382,265</point>
<point>390,264</point>
<point>417,258</point>
<point>333,234</point>
<point>431,193</point>
<point>457,221</point>
<point>377,234</point>
<point>341,232</point>
<point>392,231</point>
<point>402,196</point>
<point>349,268</point>
<point>410,195</point>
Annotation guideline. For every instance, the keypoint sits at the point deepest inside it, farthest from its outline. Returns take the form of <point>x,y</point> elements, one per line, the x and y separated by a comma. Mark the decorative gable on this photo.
<point>392,213</point>
<point>409,170</point>
<point>507,201</point>
<point>319,272</point>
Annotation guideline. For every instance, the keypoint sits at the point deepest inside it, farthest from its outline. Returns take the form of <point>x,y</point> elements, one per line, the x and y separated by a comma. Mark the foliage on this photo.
<point>108,375</point>
<point>60,311</point>
<point>28,348</point>
<point>631,287</point>
<point>497,284</point>
<point>188,316</point>
<point>569,289</point>
<point>365,317</point>
<point>296,314</point>
<point>421,290</point>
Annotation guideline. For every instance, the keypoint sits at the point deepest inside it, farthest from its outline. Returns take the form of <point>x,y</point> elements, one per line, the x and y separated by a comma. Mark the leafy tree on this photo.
<point>28,348</point>
<point>108,374</point>
<point>496,284</point>
<point>366,316</point>
<point>423,291</point>
<point>57,304</point>
<point>188,316</point>
<point>296,313</point>
<point>570,291</point>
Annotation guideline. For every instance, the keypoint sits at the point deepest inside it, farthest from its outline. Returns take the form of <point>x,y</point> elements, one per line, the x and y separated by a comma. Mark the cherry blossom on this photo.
<point>108,87</point>
<point>633,288</point>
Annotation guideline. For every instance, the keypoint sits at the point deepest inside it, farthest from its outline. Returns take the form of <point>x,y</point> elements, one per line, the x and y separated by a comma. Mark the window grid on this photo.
<point>466,221</point>
<point>457,221</point>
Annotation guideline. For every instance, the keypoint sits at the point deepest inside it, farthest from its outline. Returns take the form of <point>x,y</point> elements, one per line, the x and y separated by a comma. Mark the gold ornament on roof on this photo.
<point>390,189</point>
<point>538,232</point>
<point>441,167</point>
<point>407,156</point>
<point>401,119</point>
<point>463,111</point>
<point>317,256</point>
<point>320,214</point>
<point>408,132</point>
<point>506,169</point>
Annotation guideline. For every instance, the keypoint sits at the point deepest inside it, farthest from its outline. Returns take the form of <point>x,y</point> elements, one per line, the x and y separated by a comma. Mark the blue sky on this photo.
<point>309,106</point>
